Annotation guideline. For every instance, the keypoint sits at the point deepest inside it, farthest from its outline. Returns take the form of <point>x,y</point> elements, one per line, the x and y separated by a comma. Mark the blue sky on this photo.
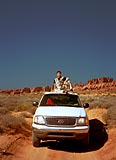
<point>39,37</point>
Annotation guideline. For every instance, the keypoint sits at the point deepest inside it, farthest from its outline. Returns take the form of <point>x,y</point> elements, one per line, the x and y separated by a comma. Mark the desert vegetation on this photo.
<point>16,111</point>
<point>102,102</point>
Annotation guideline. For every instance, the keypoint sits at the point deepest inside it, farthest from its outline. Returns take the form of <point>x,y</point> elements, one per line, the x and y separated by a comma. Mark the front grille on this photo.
<point>60,134</point>
<point>61,121</point>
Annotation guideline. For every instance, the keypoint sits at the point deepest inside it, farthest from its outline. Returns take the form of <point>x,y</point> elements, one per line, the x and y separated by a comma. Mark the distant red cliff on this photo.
<point>104,84</point>
<point>96,85</point>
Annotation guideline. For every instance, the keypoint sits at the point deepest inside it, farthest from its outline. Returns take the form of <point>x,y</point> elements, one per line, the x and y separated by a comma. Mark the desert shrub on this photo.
<point>13,122</point>
<point>106,105</point>
<point>100,104</point>
<point>1,104</point>
<point>23,107</point>
<point>26,114</point>
<point>87,99</point>
<point>17,107</point>
<point>3,110</point>
<point>110,116</point>
<point>32,110</point>
<point>11,107</point>
<point>19,103</point>
<point>99,101</point>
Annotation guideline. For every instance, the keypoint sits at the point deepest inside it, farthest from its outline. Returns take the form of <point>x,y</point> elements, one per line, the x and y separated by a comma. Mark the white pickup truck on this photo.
<point>60,116</point>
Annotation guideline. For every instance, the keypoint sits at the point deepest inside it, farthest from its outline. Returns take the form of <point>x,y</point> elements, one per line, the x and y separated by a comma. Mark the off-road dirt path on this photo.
<point>102,145</point>
<point>20,148</point>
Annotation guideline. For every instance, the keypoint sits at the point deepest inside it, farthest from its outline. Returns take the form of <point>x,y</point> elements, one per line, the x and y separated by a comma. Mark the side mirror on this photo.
<point>35,103</point>
<point>86,105</point>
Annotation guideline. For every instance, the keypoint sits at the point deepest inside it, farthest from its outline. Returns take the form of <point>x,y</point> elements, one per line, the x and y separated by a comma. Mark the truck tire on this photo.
<point>35,140</point>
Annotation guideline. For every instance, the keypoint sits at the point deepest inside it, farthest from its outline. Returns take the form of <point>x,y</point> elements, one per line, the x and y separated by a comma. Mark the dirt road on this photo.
<point>102,147</point>
<point>53,152</point>
<point>22,149</point>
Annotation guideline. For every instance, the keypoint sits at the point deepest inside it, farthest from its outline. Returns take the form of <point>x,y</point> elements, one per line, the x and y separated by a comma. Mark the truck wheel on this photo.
<point>35,140</point>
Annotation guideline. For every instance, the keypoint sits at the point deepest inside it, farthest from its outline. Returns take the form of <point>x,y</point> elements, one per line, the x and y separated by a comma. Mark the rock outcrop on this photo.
<point>36,89</point>
<point>26,90</point>
<point>97,85</point>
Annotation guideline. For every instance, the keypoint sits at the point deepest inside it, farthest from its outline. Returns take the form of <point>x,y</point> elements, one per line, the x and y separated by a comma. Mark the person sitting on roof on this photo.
<point>62,83</point>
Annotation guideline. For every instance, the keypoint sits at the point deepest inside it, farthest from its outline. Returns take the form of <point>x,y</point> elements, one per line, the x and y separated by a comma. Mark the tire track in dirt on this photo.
<point>102,147</point>
<point>25,151</point>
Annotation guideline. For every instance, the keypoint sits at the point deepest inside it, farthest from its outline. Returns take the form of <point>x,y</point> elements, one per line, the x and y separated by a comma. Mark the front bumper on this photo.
<point>59,133</point>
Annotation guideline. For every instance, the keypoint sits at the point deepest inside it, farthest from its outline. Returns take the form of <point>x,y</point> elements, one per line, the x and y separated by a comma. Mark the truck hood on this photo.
<point>61,111</point>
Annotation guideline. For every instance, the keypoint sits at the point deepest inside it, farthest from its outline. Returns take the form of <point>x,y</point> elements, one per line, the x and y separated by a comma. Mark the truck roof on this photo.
<point>54,92</point>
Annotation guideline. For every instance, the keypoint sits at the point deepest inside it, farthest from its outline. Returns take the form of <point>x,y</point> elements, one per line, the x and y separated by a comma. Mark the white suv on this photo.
<point>60,116</point>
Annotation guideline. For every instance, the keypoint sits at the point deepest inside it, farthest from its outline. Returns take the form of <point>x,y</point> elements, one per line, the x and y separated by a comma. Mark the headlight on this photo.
<point>83,121</point>
<point>39,120</point>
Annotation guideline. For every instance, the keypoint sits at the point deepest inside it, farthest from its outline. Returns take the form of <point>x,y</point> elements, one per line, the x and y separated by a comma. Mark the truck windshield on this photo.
<point>60,100</point>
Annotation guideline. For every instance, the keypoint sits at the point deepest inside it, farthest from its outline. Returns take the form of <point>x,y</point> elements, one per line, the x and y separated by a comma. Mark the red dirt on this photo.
<point>102,145</point>
<point>19,147</point>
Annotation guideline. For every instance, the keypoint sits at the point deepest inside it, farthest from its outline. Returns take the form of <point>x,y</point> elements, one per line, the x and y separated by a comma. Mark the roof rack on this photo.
<point>62,92</point>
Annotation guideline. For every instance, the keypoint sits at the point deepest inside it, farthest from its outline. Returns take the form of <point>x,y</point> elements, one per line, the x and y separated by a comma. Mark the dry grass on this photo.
<point>99,101</point>
<point>103,102</point>
<point>3,110</point>
<point>26,114</point>
<point>13,122</point>
<point>15,110</point>
<point>110,117</point>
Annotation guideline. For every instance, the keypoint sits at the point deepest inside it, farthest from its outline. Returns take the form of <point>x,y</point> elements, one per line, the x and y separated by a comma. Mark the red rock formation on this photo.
<point>94,85</point>
<point>5,91</point>
<point>26,90</point>
<point>36,89</point>
<point>97,85</point>
<point>47,89</point>
<point>16,91</point>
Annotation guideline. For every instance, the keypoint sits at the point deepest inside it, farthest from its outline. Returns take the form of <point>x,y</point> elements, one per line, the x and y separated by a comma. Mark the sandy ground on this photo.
<point>102,145</point>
